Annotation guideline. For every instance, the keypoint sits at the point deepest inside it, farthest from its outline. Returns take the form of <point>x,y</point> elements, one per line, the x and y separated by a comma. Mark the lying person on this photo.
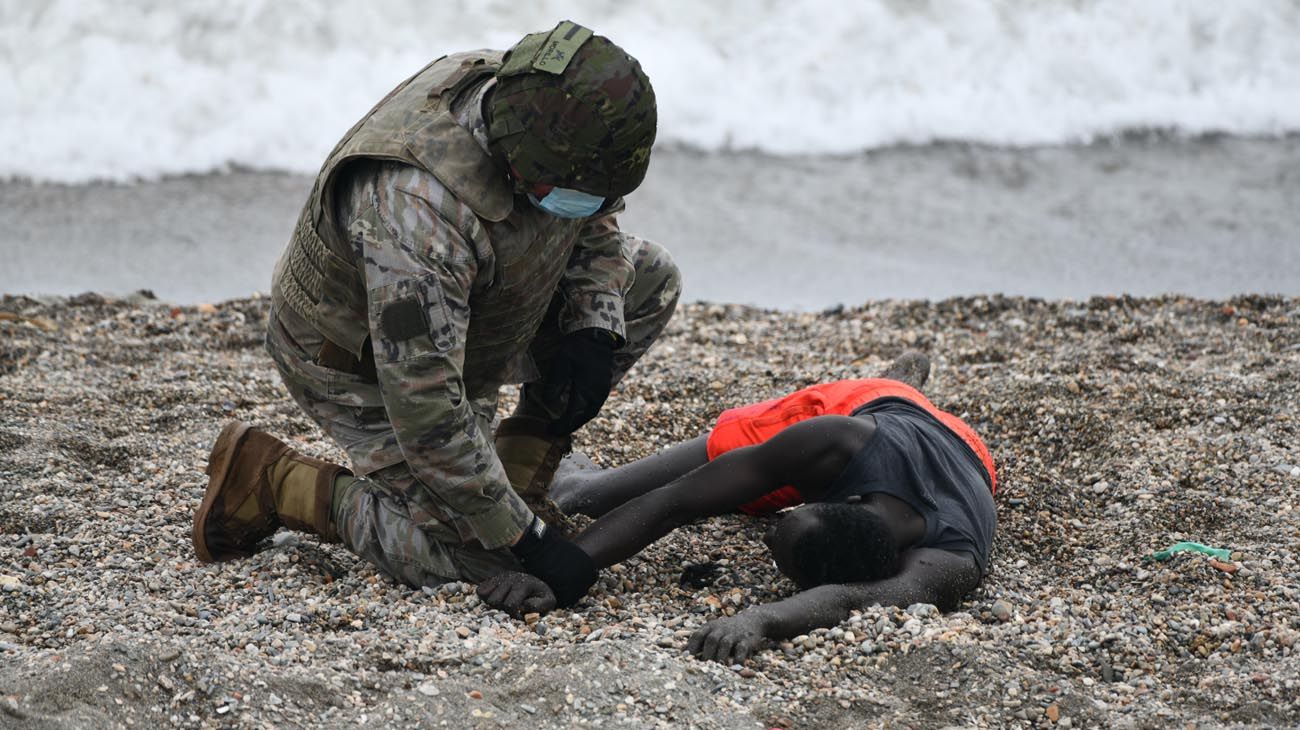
<point>898,502</point>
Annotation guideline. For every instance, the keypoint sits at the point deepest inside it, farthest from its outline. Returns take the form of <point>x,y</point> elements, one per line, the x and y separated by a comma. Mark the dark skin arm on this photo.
<point>928,575</point>
<point>808,455</point>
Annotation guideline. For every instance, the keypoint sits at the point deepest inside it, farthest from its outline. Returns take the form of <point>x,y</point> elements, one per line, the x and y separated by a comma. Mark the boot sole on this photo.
<point>219,461</point>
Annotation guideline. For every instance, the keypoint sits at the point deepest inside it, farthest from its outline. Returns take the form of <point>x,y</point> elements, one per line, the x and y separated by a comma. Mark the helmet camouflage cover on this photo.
<point>574,110</point>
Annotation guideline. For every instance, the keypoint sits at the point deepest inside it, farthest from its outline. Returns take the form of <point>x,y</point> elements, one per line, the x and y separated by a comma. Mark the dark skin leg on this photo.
<point>593,493</point>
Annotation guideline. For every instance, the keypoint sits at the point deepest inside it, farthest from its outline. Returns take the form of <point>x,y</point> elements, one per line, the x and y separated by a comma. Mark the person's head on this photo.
<point>572,111</point>
<point>833,543</point>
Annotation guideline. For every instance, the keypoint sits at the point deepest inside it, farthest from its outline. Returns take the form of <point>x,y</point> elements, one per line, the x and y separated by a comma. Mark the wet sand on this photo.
<point>1207,218</point>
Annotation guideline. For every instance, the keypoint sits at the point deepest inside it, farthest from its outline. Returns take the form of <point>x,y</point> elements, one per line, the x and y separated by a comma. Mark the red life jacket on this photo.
<point>754,424</point>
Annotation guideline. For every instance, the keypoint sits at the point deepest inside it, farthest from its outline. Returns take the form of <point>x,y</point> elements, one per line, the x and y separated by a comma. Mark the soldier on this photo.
<point>461,236</point>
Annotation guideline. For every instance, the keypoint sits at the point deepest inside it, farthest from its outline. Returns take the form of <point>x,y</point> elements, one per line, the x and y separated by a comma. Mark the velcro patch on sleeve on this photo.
<point>404,319</point>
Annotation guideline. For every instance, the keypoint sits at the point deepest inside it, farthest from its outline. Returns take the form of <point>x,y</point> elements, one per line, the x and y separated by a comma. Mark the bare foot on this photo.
<point>566,489</point>
<point>911,367</point>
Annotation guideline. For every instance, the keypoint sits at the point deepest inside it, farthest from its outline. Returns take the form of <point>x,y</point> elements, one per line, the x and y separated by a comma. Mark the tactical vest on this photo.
<point>318,277</point>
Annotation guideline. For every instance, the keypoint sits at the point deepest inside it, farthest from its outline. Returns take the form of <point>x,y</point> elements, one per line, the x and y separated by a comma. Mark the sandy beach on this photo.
<point>1209,217</point>
<point>1120,426</point>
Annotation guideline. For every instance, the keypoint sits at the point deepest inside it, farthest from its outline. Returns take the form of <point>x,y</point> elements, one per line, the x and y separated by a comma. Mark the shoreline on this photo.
<point>1208,217</point>
<point>1120,426</point>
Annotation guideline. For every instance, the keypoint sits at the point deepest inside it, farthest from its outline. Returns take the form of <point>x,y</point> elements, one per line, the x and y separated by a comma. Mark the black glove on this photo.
<point>579,378</point>
<point>517,593</point>
<point>564,566</point>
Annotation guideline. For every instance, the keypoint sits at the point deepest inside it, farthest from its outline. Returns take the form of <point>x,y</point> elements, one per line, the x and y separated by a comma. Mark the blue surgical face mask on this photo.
<point>566,203</point>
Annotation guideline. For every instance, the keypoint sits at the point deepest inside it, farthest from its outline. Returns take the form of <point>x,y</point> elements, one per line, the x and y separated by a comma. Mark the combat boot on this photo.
<point>256,484</point>
<point>530,456</point>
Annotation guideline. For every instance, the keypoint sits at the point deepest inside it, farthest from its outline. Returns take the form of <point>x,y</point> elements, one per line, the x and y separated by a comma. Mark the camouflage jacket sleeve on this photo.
<point>419,271</point>
<point>598,276</point>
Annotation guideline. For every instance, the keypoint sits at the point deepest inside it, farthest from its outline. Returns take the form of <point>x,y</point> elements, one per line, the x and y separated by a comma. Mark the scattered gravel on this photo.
<point>1120,426</point>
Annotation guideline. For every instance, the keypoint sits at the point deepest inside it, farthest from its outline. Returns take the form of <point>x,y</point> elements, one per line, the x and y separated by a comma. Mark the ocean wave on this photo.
<point>125,89</point>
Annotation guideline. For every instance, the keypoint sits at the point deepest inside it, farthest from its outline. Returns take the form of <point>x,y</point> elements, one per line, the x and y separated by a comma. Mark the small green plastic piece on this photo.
<point>1195,547</point>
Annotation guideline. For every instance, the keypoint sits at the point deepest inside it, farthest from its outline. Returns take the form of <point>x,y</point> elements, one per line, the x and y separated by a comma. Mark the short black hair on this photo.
<point>852,544</point>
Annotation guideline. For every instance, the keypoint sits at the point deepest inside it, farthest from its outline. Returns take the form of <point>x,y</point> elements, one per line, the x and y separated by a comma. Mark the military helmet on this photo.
<point>572,109</point>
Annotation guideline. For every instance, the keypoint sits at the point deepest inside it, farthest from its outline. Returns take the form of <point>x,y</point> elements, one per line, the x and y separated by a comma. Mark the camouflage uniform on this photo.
<point>416,284</point>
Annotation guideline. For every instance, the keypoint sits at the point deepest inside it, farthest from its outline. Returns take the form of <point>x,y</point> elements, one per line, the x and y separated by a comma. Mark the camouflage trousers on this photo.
<point>382,516</point>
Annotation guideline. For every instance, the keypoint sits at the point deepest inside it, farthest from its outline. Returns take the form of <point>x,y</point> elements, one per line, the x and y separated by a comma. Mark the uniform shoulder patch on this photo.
<point>403,319</point>
<point>558,48</point>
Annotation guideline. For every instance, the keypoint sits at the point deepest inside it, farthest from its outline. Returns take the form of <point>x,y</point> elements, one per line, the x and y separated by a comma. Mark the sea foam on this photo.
<point>123,89</point>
